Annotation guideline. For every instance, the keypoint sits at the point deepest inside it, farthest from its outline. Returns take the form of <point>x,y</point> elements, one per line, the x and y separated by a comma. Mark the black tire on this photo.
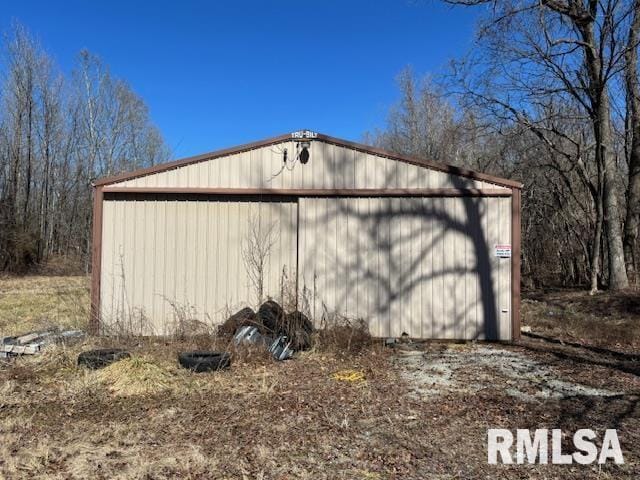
<point>298,321</point>
<point>271,316</point>
<point>204,361</point>
<point>242,318</point>
<point>101,358</point>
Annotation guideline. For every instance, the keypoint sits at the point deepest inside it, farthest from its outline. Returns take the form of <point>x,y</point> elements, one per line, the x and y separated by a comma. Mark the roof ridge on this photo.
<point>311,135</point>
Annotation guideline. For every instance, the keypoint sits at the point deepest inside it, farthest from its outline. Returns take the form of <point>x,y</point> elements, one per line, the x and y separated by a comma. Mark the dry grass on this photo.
<point>607,319</point>
<point>342,410</point>
<point>342,335</point>
<point>321,415</point>
<point>138,376</point>
<point>39,302</point>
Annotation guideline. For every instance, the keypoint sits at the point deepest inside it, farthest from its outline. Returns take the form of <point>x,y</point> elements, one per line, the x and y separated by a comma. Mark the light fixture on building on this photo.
<point>304,154</point>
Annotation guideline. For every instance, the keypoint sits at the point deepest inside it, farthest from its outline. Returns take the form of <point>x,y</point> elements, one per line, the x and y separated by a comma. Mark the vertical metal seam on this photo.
<point>297,253</point>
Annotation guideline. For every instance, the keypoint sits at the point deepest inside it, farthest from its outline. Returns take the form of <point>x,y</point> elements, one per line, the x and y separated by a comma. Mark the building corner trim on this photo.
<point>516,240</point>
<point>96,260</point>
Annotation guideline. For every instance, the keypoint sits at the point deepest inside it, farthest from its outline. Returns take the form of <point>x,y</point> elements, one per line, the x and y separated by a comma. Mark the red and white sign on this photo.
<point>503,251</point>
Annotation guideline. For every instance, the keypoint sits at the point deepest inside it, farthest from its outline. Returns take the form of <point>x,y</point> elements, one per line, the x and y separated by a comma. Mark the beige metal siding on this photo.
<point>421,266</point>
<point>330,166</point>
<point>167,256</point>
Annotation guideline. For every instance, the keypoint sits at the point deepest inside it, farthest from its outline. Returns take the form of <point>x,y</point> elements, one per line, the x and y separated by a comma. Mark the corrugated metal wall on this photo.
<point>166,256</point>
<point>330,166</point>
<point>421,266</point>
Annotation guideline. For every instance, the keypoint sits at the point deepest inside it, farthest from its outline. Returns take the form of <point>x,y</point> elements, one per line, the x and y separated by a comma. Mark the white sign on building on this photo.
<point>304,134</point>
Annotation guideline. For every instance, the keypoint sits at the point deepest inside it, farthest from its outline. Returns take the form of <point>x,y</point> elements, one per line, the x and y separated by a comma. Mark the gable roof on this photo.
<point>163,167</point>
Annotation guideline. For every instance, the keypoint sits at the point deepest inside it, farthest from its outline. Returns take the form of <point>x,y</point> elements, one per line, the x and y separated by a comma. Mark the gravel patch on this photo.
<point>472,368</point>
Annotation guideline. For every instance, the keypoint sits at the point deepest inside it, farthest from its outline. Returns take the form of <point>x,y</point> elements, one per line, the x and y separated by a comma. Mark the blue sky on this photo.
<point>219,73</point>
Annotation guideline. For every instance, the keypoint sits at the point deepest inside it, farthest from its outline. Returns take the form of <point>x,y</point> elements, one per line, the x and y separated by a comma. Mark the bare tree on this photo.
<point>56,135</point>
<point>422,124</point>
<point>256,251</point>
<point>633,114</point>
<point>540,52</point>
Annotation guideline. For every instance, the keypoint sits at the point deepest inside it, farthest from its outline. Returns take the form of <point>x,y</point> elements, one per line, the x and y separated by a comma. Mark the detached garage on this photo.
<point>346,230</point>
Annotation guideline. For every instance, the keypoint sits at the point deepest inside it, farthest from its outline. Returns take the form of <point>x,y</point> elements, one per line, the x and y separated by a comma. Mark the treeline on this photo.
<point>549,95</point>
<point>57,133</point>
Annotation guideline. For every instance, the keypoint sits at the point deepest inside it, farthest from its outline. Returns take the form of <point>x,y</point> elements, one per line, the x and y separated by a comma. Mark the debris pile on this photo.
<point>280,332</point>
<point>243,318</point>
<point>33,343</point>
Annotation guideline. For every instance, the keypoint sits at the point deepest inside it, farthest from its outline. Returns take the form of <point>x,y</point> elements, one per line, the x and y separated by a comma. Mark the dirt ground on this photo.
<point>408,412</point>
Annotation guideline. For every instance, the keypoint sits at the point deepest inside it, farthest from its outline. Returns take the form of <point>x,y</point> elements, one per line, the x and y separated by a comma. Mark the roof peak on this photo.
<point>307,134</point>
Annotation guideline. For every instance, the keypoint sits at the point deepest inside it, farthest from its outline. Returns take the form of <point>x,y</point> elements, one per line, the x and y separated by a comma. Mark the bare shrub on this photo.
<point>62,265</point>
<point>288,292</point>
<point>74,303</point>
<point>128,324</point>
<point>21,253</point>
<point>338,333</point>
<point>306,299</point>
<point>256,250</point>
<point>186,322</point>
<point>249,354</point>
<point>128,321</point>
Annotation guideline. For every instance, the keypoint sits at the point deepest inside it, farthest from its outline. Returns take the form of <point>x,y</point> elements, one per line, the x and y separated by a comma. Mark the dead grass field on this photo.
<point>405,413</point>
<point>37,302</point>
<point>608,320</point>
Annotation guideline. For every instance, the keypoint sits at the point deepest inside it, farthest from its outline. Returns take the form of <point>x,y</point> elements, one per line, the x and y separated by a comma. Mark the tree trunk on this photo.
<point>601,118</point>
<point>595,251</point>
<point>633,110</point>
<point>617,270</point>
<point>29,172</point>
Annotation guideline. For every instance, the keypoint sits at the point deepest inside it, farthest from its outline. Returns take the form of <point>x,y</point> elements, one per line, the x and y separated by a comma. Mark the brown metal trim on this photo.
<point>321,192</point>
<point>516,239</point>
<point>325,138</point>
<point>96,260</point>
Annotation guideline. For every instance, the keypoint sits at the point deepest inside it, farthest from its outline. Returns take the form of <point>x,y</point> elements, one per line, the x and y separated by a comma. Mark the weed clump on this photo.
<point>341,334</point>
<point>136,376</point>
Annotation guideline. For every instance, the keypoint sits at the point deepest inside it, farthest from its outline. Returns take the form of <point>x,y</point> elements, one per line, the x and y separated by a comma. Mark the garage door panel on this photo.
<point>167,257</point>
<point>421,266</point>
<point>431,273</point>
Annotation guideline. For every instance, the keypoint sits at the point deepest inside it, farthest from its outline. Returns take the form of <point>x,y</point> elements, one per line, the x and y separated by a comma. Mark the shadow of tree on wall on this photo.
<point>418,265</point>
<point>417,273</point>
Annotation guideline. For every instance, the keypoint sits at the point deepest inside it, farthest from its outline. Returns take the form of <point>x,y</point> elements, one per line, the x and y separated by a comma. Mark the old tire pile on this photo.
<point>298,329</point>
<point>271,315</point>
<point>101,358</point>
<point>242,318</point>
<point>272,320</point>
<point>204,361</point>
